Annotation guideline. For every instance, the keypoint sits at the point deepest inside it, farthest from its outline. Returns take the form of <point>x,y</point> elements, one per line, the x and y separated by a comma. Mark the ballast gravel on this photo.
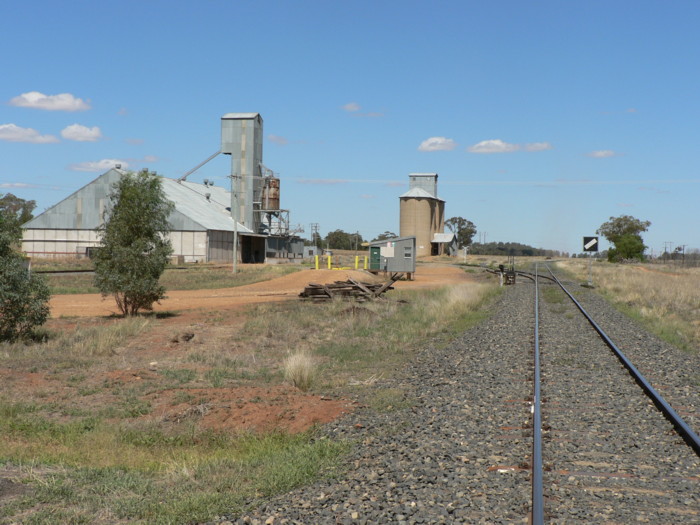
<point>460,450</point>
<point>612,457</point>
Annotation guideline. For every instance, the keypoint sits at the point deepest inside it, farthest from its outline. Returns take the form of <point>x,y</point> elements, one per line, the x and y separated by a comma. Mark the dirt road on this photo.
<point>280,289</point>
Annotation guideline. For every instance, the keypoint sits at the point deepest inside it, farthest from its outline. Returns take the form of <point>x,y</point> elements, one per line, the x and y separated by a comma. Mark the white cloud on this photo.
<point>602,154</point>
<point>537,146</point>
<point>278,140</point>
<point>13,133</point>
<point>323,182</point>
<point>99,166</point>
<point>81,133</point>
<point>62,102</point>
<point>493,146</point>
<point>354,108</point>
<point>150,158</point>
<point>437,144</point>
<point>15,185</point>
<point>498,146</point>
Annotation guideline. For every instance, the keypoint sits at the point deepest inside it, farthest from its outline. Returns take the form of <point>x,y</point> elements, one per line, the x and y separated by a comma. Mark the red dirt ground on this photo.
<point>280,407</point>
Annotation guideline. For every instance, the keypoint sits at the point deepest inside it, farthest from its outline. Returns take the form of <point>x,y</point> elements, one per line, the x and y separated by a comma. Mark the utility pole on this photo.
<point>667,249</point>
<point>314,234</point>
<point>234,214</point>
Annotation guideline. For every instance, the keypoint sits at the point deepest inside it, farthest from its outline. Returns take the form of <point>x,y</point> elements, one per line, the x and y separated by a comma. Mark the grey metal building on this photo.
<point>203,221</point>
<point>393,255</point>
<point>202,227</point>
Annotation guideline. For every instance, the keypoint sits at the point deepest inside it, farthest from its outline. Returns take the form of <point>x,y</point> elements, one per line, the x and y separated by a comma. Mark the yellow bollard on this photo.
<point>365,262</point>
<point>357,262</point>
<point>316,256</point>
<point>329,262</point>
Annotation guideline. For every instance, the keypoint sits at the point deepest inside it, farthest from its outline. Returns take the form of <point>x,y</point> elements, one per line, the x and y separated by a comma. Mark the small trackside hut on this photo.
<point>397,255</point>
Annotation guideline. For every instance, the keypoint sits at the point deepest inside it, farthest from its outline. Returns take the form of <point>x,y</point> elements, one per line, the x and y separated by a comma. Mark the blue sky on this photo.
<point>543,119</point>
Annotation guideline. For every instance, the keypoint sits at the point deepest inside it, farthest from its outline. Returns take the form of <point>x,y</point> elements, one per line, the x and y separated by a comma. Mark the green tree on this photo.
<point>463,229</point>
<point>10,232</point>
<point>24,296</point>
<point>21,209</point>
<point>629,246</point>
<point>624,233</point>
<point>316,239</point>
<point>340,240</point>
<point>134,248</point>
<point>384,236</point>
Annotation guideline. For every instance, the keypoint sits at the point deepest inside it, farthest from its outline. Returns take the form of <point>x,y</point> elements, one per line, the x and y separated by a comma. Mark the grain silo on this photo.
<point>422,214</point>
<point>242,138</point>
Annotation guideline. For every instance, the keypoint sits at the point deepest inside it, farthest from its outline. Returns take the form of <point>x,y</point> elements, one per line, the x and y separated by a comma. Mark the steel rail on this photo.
<point>537,468</point>
<point>690,437</point>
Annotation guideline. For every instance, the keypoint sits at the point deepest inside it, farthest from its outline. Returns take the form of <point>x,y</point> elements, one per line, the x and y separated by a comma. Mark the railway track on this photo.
<point>461,448</point>
<point>607,448</point>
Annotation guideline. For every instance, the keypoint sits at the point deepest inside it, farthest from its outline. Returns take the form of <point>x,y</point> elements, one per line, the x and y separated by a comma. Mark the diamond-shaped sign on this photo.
<point>590,244</point>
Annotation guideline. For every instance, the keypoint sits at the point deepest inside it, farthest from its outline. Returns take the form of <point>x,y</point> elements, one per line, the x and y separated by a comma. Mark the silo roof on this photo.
<point>418,193</point>
<point>241,115</point>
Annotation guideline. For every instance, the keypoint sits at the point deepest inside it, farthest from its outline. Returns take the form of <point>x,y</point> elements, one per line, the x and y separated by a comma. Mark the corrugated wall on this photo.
<point>74,243</point>
<point>58,243</point>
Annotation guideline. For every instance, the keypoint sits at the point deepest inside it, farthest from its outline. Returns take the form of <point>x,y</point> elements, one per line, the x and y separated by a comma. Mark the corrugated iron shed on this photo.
<point>194,210</point>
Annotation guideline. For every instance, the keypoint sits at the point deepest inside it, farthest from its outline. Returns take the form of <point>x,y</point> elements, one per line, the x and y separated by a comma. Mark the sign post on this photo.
<point>590,244</point>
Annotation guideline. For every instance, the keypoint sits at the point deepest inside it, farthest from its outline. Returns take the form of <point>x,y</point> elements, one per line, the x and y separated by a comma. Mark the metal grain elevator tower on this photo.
<point>242,138</point>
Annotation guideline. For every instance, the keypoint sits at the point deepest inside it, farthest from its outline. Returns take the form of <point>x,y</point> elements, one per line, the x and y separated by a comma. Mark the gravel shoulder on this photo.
<point>454,454</point>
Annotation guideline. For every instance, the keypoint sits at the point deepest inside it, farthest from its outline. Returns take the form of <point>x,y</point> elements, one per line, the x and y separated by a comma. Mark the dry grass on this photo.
<point>100,450</point>
<point>190,277</point>
<point>300,369</point>
<point>90,339</point>
<point>666,299</point>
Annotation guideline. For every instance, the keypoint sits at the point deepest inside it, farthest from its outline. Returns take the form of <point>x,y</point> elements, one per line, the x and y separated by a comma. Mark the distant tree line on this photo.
<point>337,240</point>
<point>512,248</point>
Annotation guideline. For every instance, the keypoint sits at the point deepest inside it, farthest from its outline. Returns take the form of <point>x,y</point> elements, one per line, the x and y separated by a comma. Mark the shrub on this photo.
<point>134,250</point>
<point>24,296</point>
<point>24,299</point>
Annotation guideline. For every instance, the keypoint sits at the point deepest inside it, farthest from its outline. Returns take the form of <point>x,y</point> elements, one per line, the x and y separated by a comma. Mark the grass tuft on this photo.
<point>300,369</point>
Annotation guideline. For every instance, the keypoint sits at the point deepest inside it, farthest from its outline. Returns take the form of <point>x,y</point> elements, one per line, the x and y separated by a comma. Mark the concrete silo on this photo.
<point>422,214</point>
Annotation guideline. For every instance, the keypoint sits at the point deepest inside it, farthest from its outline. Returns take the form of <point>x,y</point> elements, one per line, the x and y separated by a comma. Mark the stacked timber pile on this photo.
<point>350,288</point>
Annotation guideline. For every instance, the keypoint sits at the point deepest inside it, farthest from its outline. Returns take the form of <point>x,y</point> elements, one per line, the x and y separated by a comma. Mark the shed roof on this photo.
<point>393,239</point>
<point>190,199</point>
<point>443,237</point>
<point>193,210</point>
